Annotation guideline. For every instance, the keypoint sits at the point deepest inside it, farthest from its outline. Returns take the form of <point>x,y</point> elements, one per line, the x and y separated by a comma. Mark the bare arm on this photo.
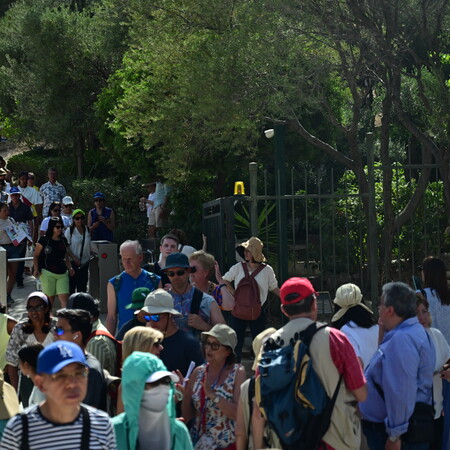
<point>111,318</point>
<point>89,220</point>
<point>11,323</point>
<point>276,291</point>
<point>360,393</point>
<point>241,428</point>
<point>13,373</point>
<point>111,222</point>
<point>227,296</point>
<point>37,252</point>
<point>216,314</point>
<point>187,408</point>
<point>258,425</point>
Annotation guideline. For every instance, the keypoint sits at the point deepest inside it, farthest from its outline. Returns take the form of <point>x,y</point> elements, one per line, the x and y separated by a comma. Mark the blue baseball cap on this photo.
<point>99,195</point>
<point>14,190</point>
<point>58,355</point>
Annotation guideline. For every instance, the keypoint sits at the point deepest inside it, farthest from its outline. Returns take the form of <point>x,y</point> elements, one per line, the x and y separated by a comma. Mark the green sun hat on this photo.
<point>138,298</point>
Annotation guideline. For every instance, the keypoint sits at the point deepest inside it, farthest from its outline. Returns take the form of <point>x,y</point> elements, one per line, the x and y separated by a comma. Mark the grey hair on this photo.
<point>401,297</point>
<point>131,244</point>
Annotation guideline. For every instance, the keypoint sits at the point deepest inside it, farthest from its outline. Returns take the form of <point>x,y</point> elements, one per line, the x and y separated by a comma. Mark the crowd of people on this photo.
<point>165,370</point>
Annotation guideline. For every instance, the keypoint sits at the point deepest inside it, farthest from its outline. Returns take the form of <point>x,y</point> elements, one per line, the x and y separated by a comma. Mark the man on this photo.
<point>31,197</point>
<point>21,213</point>
<point>199,311</point>
<point>120,287</point>
<point>332,356</point>
<point>74,325</point>
<point>148,204</point>
<point>159,213</point>
<point>67,208</point>
<point>180,347</point>
<point>60,421</point>
<point>52,191</point>
<point>400,373</point>
<point>169,245</point>
<point>3,177</point>
<point>137,302</point>
<point>101,343</point>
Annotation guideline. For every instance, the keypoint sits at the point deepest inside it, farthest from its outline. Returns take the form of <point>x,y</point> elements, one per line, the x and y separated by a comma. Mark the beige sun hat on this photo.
<point>347,296</point>
<point>257,345</point>
<point>159,302</point>
<point>254,246</point>
<point>9,404</point>
<point>224,334</point>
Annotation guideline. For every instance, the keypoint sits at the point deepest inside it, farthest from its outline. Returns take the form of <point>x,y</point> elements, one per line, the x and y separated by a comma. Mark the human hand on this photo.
<point>167,287</point>
<point>210,393</point>
<point>195,321</point>
<point>445,372</point>
<point>217,273</point>
<point>397,445</point>
<point>36,273</point>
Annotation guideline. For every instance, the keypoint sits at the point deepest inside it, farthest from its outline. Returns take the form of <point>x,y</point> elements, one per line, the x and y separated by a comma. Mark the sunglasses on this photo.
<point>58,227</point>
<point>61,331</point>
<point>56,209</point>
<point>152,317</point>
<point>78,218</point>
<point>178,273</point>
<point>214,345</point>
<point>37,308</point>
<point>64,377</point>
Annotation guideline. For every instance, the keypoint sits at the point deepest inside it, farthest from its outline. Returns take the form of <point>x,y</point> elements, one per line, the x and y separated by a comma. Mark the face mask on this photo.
<point>155,400</point>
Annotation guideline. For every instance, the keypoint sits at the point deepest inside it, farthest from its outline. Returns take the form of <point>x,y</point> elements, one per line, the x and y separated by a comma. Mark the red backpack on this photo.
<point>118,345</point>
<point>247,304</point>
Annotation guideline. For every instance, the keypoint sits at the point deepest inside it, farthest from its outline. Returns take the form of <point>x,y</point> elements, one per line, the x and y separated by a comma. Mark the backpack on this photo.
<point>118,346</point>
<point>290,394</point>
<point>247,304</point>
<point>150,277</point>
<point>197,298</point>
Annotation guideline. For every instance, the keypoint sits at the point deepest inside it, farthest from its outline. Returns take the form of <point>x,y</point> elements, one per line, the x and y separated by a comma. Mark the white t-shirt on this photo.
<point>44,224</point>
<point>266,279</point>
<point>150,197</point>
<point>364,340</point>
<point>440,314</point>
<point>186,249</point>
<point>442,350</point>
<point>75,240</point>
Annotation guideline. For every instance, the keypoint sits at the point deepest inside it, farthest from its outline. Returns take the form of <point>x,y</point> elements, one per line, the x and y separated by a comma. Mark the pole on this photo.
<point>253,168</point>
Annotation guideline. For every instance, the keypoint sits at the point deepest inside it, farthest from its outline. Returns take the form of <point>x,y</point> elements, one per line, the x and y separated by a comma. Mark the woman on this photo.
<point>205,266</point>
<point>254,261</point>
<point>442,350</point>
<point>12,251</point>
<point>38,328</point>
<point>28,357</point>
<point>101,220</point>
<point>53,211</point>
<point>356,321</point>
<point>51,262</point>
<point>79,240</point>
<point>213,390</point>
<point>149,419</point>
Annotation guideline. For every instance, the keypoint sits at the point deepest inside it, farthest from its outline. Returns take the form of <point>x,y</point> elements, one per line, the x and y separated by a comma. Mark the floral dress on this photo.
<point>211,420</point>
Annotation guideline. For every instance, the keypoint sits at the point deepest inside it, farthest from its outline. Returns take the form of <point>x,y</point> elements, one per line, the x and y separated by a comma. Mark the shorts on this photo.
<point>13,251</point>
<point>54,283</point>
<point>156,217</point>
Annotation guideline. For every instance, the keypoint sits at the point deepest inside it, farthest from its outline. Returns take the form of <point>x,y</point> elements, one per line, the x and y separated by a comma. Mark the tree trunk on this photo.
<point>79,151</point>
<point>444,170</point>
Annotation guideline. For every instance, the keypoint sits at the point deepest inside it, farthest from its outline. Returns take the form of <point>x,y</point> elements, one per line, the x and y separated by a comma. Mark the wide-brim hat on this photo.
<point>176,260</point>
<point>9,403</point>
<point>158,302</point>
<point>138,298</point>
<point>224,334</point>
<point>254,246</point>
<point>347,296</point>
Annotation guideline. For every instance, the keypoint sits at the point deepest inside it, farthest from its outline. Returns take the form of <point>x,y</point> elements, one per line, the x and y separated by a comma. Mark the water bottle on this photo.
<point>38,284</point>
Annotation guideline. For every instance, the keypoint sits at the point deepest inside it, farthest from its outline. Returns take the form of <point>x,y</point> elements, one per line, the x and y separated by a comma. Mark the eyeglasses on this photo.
<point>61,331</point>
<point>58,227</point>
<point>178,273</point>
<point>152,317</point>
<point>64,377</point>
<point>78,218</point>
<point>214,345</point>
<point>157,343</point>
<point>35,308</point>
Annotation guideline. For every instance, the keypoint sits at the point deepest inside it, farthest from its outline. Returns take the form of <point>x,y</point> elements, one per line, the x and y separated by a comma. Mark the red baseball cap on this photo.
<point>302,287</point>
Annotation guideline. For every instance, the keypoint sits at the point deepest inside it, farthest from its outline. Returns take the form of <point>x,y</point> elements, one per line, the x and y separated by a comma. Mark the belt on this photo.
<point>374,426</point>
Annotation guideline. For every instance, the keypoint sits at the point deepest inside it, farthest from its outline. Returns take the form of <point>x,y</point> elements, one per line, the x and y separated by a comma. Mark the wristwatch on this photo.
<point>216,399</point>
<point>394,438</point>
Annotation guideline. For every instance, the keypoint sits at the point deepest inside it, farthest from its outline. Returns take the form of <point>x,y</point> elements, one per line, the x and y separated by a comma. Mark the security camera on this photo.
<point>269,133</point>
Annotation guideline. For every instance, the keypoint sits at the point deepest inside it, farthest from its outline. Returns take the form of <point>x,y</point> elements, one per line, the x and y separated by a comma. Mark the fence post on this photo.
<point>372,229</point>
<point>253,168</point>
<point>3,275</point>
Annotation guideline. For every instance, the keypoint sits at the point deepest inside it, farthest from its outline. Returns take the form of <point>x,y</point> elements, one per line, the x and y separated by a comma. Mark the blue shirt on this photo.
<point>403,368</point>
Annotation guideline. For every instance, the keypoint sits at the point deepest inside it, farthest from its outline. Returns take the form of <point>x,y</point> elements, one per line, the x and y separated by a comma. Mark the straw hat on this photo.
<point>254,246</point>
<point>348,296</point>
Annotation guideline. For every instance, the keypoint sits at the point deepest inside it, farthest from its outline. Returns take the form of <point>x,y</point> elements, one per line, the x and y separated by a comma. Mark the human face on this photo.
<point>15,199</point>
<point>160,325</point>
<point>157,348</point>
<point>4,212</point>
<point>214,350</point>
<point>78,219</point>
<point>57,231</point>
<point>30,181</point>
<point>384,313</point>
<point>177,280</point>
<point>423,315</point>
<point>199,275</point>
<point>248,256</point>
<point>23,180</point>
<point>56,211</point>
<point>63,331</point>
<point>67,387</point>
<point>168,246</point>
<point>52,174</point>
<point>99,202</point>
<point>130,260</point>
<point>67,209</point>
<point>36,309</point>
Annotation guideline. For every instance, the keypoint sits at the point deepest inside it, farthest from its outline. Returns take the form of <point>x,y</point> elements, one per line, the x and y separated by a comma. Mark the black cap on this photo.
<point>85,301</point>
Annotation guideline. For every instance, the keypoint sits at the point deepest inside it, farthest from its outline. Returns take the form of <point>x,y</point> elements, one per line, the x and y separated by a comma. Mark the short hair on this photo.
<point>401,297</point>
<point>131,244</point>
<point>422,300</point>
<point>180,234</point>
<point>79,320</point>
<point>169,236</point>
<point>206,260</point>
<point>302,307</point>
<point>52,224</point>
<point>140,339</point>
<point>30,353</point>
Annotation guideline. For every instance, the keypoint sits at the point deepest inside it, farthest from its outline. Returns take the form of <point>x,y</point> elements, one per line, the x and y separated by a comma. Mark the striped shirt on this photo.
<point>46,435</point>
